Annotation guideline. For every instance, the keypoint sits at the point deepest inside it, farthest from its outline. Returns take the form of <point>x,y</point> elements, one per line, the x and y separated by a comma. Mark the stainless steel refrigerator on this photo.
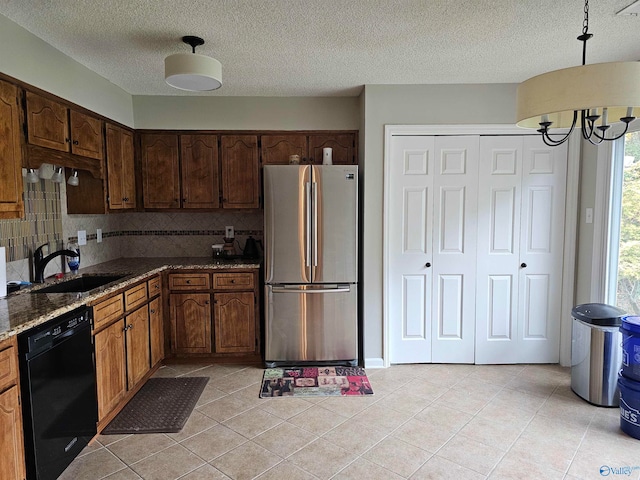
<point>311,252</point>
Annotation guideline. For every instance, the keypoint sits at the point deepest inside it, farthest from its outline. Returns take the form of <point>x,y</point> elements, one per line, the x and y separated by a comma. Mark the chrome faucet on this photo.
<point>40,263</point>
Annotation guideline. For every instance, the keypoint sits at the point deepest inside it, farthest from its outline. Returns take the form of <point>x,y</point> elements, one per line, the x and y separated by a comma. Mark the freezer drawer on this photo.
<point>311,323</point>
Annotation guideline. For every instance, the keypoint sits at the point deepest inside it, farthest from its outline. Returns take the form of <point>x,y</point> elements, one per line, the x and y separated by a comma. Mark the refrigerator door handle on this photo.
<point>306,289</point>
<point>314,189</point>
<point>307,187</point>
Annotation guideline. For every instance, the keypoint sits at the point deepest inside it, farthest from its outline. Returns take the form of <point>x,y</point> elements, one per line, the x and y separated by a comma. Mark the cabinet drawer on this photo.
<point>188,281</point>
<point>8,366</point>
<point>135,296</point>
<point>154,286</point>
<point>233,281</point>
<point>107,311</point>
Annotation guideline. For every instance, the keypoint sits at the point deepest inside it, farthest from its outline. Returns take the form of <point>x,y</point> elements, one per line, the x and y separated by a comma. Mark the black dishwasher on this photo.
<point>59,406</point>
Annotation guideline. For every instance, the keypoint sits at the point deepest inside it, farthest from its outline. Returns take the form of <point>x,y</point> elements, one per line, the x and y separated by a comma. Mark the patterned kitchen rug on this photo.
<point>162,405</point>
<point>315,382</point>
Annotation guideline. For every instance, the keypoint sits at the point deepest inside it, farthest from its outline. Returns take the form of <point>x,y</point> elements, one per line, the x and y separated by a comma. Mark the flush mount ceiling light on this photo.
<point>591,96</point>
<point>193,72</point>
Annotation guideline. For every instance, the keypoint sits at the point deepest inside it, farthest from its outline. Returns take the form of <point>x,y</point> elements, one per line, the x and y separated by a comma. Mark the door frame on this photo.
<point>570,233</point>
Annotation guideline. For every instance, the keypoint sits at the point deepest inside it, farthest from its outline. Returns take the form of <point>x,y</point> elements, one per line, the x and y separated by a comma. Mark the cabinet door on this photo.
<point>47,123</point>
<point>190,322</point>
<point>200,179</point>
<point>120,168</point>
<point>275,149</point>
<point>344,152</point>
<point>235,327</point>
<point>156,330</point>
<point>110,368</point>
<point>11,442</point>
<point>86,135</point>
<point>128,170</point>
<point>11,205</point>
<point>137,338</point>
<point>240,171</point>
<point>160,171</point>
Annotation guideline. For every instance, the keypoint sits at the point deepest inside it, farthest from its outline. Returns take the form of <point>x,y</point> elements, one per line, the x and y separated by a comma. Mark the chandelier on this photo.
<point>589,96</point>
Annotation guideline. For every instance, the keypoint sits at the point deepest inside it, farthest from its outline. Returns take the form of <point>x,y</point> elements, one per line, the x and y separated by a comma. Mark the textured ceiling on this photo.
<point>329,47</point>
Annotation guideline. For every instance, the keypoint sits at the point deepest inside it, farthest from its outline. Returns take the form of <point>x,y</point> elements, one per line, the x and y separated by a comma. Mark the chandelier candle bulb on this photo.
<point>604,117</point>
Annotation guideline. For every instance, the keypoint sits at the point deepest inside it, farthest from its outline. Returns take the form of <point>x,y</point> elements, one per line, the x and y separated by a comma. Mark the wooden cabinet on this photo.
<point>52,125</point>
<point>235,322</point>
<point>190,322</point>
<point>127,345</point>
<point>121,177</point>
<point>235,312</point>
<point>190,312</point>
<point>199,171</point>
<point>275,149</point>
<point>156,331</point>
<point>12,466</point>
<point>231,327</point>
<point>111,368</point>
<point>160,170</point>
<point>11,204</point>
<point>138,345</point>
<point>240,171</point>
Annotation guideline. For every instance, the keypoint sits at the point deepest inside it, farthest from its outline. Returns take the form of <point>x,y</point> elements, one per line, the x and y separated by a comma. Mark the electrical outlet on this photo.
<point>99,235</point>
<point>82,237</point>
<point>229,232</point>
<point>589,215</point>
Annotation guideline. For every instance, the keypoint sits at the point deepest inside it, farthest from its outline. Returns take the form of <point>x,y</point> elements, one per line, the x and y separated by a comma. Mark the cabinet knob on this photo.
<point>66,140</point>
<point>189,281</point>
<point>206,302</point>
<point>523,265</point>
<point>152,311</point>
<point>233,281</point>
<point>75,142</point>
<point>427,265</point>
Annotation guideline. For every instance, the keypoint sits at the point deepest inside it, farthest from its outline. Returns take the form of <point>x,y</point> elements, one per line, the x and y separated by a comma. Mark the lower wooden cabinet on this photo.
<point>156,331</point>
<point>111,362</point>
<point>137,340</point>
<point>190,322</point>
<point>231,327</point>
<point>129,342</point>
<point>12,465</point>
<point>235,322</point>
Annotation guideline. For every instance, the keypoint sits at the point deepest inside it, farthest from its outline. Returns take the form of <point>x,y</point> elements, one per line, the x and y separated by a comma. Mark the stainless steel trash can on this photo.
<point>596,353</point>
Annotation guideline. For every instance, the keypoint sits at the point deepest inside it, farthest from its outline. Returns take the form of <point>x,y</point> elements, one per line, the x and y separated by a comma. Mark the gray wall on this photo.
<point>411,105</point>
<point>25,57</point>
<point>246,113</point>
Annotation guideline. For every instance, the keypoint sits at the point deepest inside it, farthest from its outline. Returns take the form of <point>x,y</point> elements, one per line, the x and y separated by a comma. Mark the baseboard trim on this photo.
<point>374,363</point>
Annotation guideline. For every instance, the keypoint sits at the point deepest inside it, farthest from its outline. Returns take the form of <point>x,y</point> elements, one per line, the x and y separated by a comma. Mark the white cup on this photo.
<point>327,156</point>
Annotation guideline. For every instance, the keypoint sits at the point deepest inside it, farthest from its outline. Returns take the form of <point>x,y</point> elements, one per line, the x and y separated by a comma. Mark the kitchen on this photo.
<point>376,106</point>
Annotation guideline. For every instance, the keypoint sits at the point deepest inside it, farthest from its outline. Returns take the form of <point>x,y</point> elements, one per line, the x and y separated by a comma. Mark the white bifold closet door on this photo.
<point>432,248</point>
<point>521,207</point>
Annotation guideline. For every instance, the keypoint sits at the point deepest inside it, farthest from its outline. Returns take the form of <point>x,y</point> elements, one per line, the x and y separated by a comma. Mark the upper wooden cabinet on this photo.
<point>11,205</point>
<point>160,170</point>
<point>53,125</point>
<point>276,149</point>
<point>121,175</point>
<point>240,171</point>
<point>199,171</point>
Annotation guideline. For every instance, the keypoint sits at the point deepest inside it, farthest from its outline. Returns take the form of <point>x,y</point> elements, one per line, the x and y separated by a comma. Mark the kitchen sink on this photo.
<point>80,284</point>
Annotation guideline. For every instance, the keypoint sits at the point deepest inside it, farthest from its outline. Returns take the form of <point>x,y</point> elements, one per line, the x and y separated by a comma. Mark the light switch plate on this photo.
<point>99,235</point>
<point>82,237</point>
<point>229,232</point>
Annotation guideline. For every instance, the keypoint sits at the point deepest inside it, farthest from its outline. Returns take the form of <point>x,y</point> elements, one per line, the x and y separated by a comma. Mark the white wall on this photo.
<point>406,105</point>
<point>25,57</point>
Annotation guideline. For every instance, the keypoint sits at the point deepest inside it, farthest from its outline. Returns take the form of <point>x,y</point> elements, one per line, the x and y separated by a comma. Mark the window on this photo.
<point>624,252</point>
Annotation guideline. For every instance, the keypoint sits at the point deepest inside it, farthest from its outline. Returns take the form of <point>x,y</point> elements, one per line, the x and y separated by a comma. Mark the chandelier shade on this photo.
<point>191,71</point>
<point>558,94</point>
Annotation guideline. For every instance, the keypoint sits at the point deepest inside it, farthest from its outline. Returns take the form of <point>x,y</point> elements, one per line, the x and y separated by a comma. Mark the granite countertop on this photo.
<point>23,310</point>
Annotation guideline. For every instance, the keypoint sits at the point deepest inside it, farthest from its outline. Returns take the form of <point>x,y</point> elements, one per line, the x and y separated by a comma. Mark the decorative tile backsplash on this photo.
<point>145,234</point>
<point>42,222</point>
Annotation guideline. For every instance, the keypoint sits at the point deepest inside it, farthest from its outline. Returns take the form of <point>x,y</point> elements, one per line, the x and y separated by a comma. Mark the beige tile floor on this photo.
<point>424,422</point>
